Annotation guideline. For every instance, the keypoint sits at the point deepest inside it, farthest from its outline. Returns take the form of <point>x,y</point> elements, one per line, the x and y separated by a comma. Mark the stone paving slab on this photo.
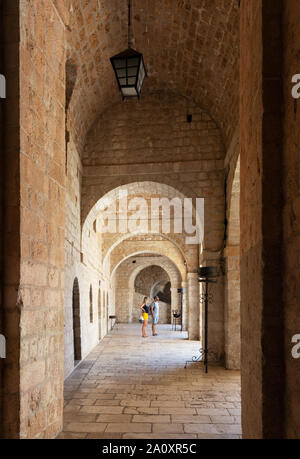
<point>147,393</point>
<point>85,427</point>
<point>129,427</point>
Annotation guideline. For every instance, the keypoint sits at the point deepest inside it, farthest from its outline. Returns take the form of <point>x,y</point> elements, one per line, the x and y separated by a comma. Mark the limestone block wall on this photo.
<point>81,262</point>
<point>33,402</point>
<point>10,164</point>
<point>2,184</point>
<point>232,258</point>
<point>262,318</point>
<point>124,292</point>
<point>152,141</point>
<point>72,251</point>
<point>291,216</point>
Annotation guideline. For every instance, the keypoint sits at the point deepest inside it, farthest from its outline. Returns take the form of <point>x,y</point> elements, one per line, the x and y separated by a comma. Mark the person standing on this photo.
<point>154,309</point>
<point>145,310</point>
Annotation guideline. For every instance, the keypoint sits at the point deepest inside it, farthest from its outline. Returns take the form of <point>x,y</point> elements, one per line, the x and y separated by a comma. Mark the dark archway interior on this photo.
<point>163,291</point>
<point>76,322</point>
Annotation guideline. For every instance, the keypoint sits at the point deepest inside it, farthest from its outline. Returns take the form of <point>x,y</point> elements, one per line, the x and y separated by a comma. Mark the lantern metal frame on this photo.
<point>128,66</point>
<point>124,65</point>
<point>206,275</point>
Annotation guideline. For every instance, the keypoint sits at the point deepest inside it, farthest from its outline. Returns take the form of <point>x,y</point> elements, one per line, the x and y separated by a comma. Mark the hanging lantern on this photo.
<point>130,71</point>
<point>129,68</point>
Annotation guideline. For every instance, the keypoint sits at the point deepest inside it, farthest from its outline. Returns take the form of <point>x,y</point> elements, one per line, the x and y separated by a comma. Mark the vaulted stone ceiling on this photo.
<point>190,47</point>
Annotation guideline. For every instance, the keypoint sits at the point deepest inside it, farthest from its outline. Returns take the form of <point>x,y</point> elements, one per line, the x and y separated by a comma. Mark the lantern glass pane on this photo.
<point>142,70</point>
<point>123,81</point>
<point>131,81</point>
<point>120,63</point>
<point>132,71</point>
<point>121,73</point>
<point>133,62</point>
<point>129,92</point>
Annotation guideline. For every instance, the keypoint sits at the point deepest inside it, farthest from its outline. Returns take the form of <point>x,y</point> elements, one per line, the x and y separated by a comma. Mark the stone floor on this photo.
<point>130,387</point>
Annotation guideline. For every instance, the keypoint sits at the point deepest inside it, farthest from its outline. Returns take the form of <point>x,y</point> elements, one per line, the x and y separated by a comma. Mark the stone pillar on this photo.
<point>232,309</point>
<point>175,299</point>
<point>11,299</point>
<point>193,306</point>
<point>184,307</point>
<point>262,321</point>
<point>291,219</point>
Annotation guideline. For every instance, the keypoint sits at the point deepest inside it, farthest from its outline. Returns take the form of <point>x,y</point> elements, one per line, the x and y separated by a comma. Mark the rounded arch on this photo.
<point>159,276</point>
<point>90,214</point>
<point>126,237</point>
<point>127,297</point>
<point>154,277</point>
<point>145,251</point>
<point>170,268</point>
<point>158,190</point>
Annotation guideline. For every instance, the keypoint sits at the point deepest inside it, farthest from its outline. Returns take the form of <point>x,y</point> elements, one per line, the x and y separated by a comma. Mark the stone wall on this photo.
<point>262,360</point>
<point>152,142</point>
<point>35,214</point>
<point>291,216</point>
<point>232,258</point>
<point>10,164</point>
<point>81,262</point>
<point>2,178</point>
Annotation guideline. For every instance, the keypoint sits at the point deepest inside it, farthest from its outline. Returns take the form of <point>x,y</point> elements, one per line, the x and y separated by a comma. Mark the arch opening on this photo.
<point>91,305</point>
<point>151,281</point>
<point>76,323</point>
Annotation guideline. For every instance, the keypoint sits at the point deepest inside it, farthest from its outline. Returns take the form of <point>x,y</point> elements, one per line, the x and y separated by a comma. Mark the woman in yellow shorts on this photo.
<point>145,310</point>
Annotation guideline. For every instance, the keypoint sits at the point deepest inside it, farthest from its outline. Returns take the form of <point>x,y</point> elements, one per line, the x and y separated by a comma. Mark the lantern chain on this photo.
<point>129,23</point>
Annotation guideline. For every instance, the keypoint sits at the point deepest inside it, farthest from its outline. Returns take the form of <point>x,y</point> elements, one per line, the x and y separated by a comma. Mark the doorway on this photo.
<point>76,322</point>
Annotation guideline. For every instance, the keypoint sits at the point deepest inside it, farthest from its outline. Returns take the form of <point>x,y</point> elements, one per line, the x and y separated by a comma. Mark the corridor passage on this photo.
<point>130,387</point>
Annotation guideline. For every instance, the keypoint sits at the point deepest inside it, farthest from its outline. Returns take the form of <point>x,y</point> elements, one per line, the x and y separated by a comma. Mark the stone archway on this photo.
<point>152,278</point>
<point>126,272</point>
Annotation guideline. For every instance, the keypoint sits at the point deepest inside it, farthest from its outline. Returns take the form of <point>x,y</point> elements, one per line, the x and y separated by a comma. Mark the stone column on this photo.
<point>261,133</point>
<point>184,307</point>
<point>175,299</point>
<point>193,306</point>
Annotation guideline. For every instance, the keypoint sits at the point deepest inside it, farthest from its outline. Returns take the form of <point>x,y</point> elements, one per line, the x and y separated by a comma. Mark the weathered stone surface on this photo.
<point>155,369</point>
<point>69,141</point>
